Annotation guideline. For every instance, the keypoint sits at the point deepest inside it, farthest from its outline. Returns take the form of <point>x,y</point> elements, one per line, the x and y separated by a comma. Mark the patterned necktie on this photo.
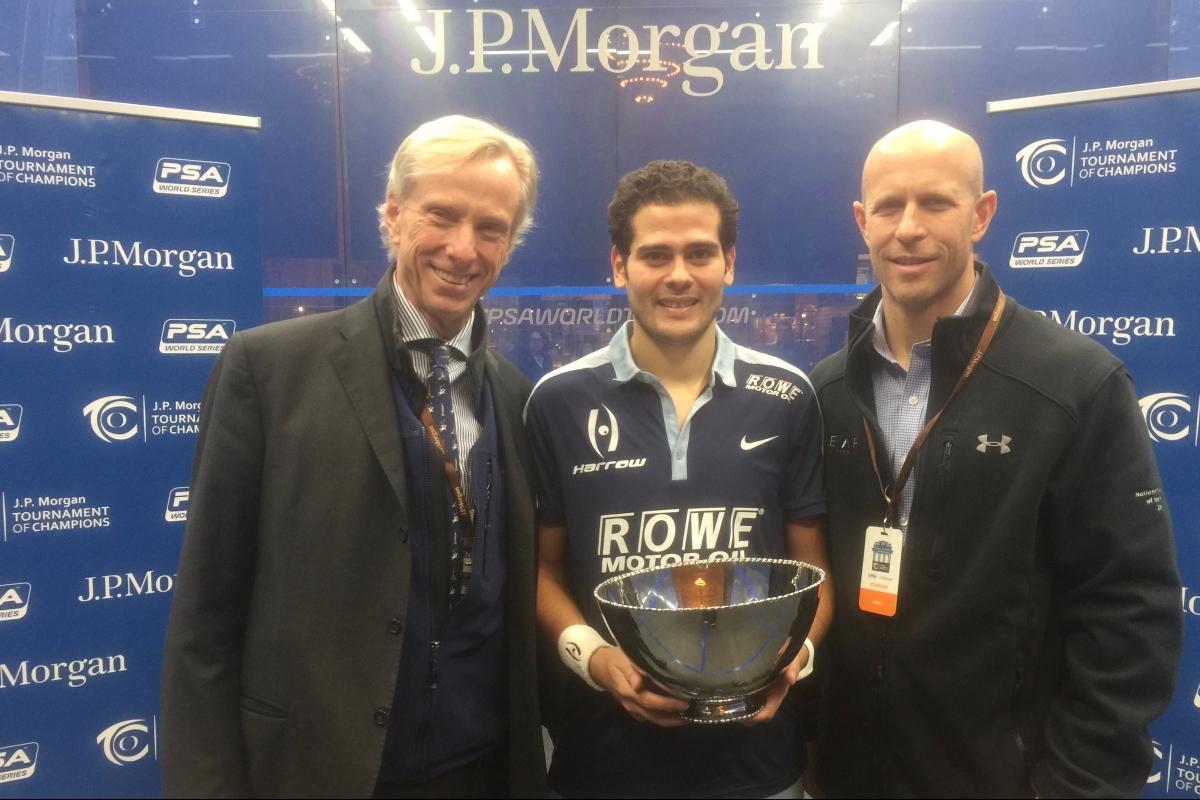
<point>441,408</point>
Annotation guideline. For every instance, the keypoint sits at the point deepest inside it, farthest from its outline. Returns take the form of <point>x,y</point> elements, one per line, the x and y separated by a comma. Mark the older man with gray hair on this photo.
<point>354,613</point>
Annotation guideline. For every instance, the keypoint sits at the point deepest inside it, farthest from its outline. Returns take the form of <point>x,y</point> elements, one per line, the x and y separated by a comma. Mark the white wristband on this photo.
<point>812,657</point>
<point>576,645</point>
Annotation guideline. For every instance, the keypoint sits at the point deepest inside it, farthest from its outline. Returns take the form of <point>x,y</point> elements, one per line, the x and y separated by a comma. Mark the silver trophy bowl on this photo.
<point>713,632</point>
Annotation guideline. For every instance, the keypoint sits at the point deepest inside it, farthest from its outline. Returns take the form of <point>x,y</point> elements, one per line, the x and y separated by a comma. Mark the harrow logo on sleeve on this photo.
<point>10,422</point>
<point>18,761</point>
<point>177,504</point>
<point>1044,162</point>
<point>7,243</point>
<point>125,742</point>
<point>206,336</point>
<point>1048,249</point>
<point>14,600</point>
<point>113,418</point>
<point>188,176</point>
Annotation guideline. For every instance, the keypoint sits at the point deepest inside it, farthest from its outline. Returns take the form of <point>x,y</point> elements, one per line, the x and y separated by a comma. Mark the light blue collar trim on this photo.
<point>625,369</point>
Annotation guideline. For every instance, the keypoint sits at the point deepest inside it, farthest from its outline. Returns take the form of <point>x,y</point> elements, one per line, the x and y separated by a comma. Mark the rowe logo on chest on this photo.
<point>670,536</point>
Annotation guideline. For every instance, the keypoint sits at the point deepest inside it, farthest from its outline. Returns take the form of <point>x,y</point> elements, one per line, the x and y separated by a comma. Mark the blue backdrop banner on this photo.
<point>129,254</point>
<point>1097,228</point>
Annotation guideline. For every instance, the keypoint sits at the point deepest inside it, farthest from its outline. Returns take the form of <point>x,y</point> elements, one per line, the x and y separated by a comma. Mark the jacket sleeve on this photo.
<point>1113,556</point>
<point>203,754</point>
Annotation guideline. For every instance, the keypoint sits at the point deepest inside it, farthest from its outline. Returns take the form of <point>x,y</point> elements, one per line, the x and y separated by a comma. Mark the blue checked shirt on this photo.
<point>902,398</point>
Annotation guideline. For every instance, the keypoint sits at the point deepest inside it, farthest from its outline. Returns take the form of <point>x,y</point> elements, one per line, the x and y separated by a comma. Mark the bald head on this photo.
<point>923,209</point>
<point>931,142</point>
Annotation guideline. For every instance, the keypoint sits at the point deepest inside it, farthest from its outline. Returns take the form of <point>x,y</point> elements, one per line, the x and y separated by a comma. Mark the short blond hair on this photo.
<point>448,142</point>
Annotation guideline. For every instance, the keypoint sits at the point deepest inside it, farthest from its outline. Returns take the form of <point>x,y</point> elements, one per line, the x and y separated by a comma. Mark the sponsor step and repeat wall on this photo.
<point>129,254</point>
<point>1098,229</point>
<point>783,101</point>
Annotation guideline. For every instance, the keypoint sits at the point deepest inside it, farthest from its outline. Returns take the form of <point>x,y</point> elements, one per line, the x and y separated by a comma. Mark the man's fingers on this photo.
<point>664,719</point>
<point>772,697</point>
<point>659,702</point>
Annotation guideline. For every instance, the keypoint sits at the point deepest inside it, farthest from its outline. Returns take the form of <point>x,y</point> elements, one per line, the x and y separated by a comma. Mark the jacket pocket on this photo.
<point>264,734</point>
<point>262,708</point>
<point>945,453</point>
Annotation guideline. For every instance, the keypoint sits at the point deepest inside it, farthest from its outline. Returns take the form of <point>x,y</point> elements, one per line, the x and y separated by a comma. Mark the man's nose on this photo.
<point>911,226</point>
<point>679,274</point>
<point>460,244</point>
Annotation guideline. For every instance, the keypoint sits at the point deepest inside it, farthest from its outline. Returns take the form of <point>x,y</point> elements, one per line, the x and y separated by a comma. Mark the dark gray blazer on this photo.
<point>283,646</point>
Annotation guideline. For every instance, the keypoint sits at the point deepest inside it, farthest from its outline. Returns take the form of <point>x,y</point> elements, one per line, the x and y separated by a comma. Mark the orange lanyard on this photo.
<point>466,514</point>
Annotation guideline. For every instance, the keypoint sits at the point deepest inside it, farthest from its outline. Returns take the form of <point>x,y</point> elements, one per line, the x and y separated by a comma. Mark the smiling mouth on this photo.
<point>678,302</point>
<point>911,261</point>
<point>451,278</point>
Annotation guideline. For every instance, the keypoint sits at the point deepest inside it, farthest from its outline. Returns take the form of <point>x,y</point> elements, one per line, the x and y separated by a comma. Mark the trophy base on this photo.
<point>729,709</point>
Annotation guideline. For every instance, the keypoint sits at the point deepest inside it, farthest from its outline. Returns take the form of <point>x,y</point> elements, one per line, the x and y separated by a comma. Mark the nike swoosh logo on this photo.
<point>751,445</point>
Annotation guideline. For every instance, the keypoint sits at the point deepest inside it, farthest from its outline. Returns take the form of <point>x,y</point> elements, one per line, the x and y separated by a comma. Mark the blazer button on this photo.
<point>381,717</point>
<point>395,626</point>
<point>404,534</point>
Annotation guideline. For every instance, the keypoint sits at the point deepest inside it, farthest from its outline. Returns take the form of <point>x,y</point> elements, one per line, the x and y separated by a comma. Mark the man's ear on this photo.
<point>730,257</point>
<point>985,210</point>
<point>391,217</point>
<point>860,216</point>
<point>618,268</point>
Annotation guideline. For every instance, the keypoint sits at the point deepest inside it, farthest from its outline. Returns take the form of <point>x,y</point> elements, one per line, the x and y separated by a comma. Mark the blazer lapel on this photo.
<point>361,363</point>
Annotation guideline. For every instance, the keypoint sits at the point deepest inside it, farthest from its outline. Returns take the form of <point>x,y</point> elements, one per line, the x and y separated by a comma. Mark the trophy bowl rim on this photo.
<point>798,591</point>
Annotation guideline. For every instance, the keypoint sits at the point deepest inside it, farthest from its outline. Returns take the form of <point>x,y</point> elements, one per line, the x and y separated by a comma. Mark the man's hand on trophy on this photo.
<point>776,690</point>
<point>613,670</point>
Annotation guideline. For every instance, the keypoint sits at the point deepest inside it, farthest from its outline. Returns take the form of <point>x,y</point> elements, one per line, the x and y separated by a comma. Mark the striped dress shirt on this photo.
<point>414,328</point>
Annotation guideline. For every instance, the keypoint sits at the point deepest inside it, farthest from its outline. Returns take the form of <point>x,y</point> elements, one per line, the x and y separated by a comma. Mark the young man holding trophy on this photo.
<point>671,446</point>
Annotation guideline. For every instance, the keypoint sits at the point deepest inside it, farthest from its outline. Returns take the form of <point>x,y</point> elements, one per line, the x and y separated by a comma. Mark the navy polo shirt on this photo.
<point>635,489</point>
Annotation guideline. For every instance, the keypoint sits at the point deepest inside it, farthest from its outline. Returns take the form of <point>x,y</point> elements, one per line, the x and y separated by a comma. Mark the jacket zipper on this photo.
<point>944,467</point>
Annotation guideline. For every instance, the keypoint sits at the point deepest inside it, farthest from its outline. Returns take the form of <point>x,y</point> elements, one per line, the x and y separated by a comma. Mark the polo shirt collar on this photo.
<point>626,369</point>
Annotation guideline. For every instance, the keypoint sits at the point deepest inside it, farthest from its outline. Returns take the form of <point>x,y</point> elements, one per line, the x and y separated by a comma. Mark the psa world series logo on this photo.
<point>1048,249</point>
<point>192,177</point>
<point>14,600</point>
<point>10,422</point>
<point>18,761</point>
<point>177,504</point>
<point>190,336</point>
<point>7,243</point>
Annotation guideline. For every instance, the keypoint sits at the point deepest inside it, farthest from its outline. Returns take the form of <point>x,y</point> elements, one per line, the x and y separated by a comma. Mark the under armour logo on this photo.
<point>984,444</point>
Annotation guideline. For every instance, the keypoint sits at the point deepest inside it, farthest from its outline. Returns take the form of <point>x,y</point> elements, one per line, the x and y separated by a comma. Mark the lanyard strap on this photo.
<point>892,498</point>
<point>460,499</point>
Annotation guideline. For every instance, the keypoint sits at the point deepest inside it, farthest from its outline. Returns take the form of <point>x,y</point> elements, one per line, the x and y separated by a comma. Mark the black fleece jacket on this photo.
<point>1039,625</point>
